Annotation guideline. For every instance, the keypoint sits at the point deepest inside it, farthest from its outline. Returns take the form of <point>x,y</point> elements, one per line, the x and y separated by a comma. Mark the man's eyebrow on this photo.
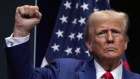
<point>114,28</point>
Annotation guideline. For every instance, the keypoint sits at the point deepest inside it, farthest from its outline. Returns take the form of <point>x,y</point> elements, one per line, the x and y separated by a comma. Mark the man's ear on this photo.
<point>89,46</point>
<point>126,42</point>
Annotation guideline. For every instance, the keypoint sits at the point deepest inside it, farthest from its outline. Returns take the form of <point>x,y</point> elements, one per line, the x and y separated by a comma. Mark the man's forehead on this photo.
<point>108,27</point>
<point>103,28</point>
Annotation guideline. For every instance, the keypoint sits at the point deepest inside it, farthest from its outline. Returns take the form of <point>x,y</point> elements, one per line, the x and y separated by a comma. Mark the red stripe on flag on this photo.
<point>126,65</point>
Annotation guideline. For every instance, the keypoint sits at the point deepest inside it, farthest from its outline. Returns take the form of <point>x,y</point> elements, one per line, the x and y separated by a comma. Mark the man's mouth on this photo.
<point>110,49</point>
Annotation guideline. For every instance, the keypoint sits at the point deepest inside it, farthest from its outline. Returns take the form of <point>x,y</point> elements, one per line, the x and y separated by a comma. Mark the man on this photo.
<point>105,37</point>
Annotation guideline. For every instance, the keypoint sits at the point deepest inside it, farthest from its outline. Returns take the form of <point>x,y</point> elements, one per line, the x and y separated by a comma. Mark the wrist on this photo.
<point>20,33</point>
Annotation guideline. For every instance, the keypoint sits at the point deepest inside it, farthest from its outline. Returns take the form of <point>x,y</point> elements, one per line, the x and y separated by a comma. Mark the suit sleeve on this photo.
<point>20,66</point>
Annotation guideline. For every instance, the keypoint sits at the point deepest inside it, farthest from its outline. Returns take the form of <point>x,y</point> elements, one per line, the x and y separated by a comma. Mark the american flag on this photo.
<point>67,38</point>
<point>125,62</point>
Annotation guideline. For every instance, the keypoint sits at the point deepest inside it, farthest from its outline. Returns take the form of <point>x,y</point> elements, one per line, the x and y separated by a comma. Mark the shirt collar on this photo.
<point>117,72</point>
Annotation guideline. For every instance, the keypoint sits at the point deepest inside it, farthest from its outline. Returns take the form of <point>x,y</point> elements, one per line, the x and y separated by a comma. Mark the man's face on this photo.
<point>108,40</point>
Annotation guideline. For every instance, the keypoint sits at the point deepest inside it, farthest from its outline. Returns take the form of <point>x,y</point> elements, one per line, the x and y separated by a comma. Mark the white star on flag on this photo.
<point>77,50</point>
<point>67,5</point>
<point>77,5</point>
<point>59,33</point>
<point>55,47</point>
<point>82,21</point>
<point>87,53</point>
<point>64,19</point>
<point>79,36</point>
<point>85,6</point>
<point>95,9</point>
<point>71,36</point>
<point>74,21</point>
<point>68,51</point>
<point>108,1</point>
<point>96,0</point>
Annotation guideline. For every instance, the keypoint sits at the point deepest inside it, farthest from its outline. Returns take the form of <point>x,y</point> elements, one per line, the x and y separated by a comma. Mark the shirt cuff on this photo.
<point>13,41</point>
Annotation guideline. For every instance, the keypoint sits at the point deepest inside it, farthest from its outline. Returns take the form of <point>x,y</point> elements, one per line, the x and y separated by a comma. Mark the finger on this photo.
<point>29,11</point>
<point>36,7</point>
<point>38,14</point>
<point>26,10</point>
<point>32,11</point>
<point>20,10</point>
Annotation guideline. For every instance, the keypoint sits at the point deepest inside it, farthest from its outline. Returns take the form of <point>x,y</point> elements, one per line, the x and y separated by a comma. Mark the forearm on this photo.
<point>17,46</point>
<point>19,61</point>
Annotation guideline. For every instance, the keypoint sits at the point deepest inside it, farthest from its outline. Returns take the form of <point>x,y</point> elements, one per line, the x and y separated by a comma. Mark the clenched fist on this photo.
<point>26,18</point>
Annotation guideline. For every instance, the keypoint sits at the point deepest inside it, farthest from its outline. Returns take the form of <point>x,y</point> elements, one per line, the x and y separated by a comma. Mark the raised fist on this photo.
<point>26,18</point>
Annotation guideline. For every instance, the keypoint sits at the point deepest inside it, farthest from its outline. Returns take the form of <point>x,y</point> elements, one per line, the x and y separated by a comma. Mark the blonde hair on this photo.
<point>105,15</point>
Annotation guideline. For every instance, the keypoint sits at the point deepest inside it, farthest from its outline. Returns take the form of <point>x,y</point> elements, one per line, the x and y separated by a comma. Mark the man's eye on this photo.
<point>116,32</point>
<point>101,34</point>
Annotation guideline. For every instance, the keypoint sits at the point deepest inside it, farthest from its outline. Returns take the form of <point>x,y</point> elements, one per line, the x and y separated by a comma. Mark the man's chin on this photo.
<point>111,55</point>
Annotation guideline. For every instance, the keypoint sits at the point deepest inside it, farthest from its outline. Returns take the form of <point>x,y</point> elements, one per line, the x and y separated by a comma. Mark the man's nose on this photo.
<point>110,38</point>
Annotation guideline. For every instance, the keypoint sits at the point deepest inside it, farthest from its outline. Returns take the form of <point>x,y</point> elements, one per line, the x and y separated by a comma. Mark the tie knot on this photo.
<point>107,75</point>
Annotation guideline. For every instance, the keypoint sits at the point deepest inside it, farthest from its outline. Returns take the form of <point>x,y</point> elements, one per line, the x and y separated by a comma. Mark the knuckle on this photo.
<point>36,7</point>
<point>40,14</point>
<point>26,5</point>
<point>18,8</point>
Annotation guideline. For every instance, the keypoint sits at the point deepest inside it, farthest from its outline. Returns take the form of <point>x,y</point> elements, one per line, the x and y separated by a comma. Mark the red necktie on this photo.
<point>107,75</point>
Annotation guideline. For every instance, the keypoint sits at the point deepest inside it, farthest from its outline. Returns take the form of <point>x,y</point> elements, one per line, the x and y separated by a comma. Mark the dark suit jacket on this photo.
<point>20,67</point>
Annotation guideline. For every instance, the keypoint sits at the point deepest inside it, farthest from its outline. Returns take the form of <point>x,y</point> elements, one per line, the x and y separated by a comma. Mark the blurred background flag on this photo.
<point>68,23</point>
<point>125,62</point>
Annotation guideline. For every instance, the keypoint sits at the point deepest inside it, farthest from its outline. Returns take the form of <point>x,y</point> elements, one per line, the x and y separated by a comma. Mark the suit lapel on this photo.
<point>88,70</point>
<point>125,74</point>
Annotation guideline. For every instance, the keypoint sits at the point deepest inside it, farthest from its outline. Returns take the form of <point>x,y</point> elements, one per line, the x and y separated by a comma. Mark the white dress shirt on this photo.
<point>13,41</point>
<point>117,73</point>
